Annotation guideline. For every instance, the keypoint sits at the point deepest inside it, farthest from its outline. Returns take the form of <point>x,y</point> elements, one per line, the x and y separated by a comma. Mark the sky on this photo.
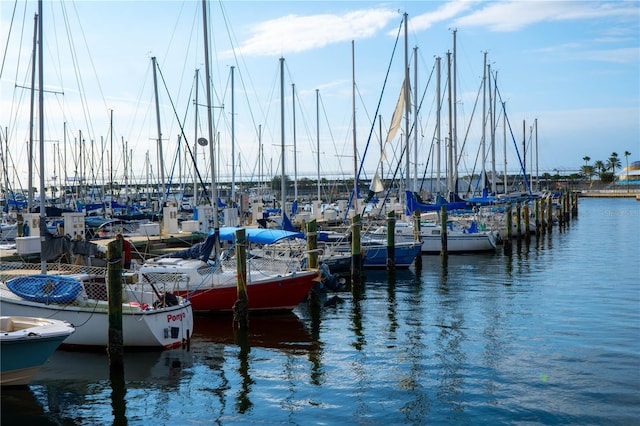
<point>567,73</point>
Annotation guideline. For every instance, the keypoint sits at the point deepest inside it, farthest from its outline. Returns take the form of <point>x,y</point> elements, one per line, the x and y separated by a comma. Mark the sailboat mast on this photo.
<point>233,138</point>
<point>195,144</point>
<point>260,161</point>
<point>484,119</point>
<point>33,91</point>
<point>504,143</point>
<point>438,123</point>
<point>450,144</point>
<point>295,152</point>
<point>160,152</point>
<point>353,111</point>
<point>283,186</point>
<point>381,146</point>
<point>111,155</point>
<point>407,105</point>
<point>524,150</point>
<point>318,138</point>
<point>63,168</point>
<point>214,188</point>
<point>537,172</point>
<point>415,119</point>
<point>531,159</point>
<point>43,217</point>
<point>455,118</point>
<point>492,129</point>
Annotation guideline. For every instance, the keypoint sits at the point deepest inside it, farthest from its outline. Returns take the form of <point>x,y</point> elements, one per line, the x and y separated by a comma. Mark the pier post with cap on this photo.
<point>444,250</point>
<point>115,347</point>
<point>391,240</point>
<point>356,251</point>
<point>506,243</point>
<point>417,236</point>
<point>241,307</point>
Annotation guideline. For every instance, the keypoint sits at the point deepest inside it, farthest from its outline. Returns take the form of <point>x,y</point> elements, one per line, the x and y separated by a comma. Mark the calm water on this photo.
<point>548,336</point>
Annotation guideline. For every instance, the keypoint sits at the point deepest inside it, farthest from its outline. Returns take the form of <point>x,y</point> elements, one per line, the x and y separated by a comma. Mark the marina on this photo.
<point>547,335</point>
<point>414,261</point>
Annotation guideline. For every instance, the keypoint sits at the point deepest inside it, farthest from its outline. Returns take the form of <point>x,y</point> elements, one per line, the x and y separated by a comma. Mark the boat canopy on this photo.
<point>203,250</point>
<point>259,235</point>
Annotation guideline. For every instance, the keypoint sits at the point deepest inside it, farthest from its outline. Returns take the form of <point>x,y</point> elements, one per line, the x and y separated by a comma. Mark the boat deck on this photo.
<point>142,245</point>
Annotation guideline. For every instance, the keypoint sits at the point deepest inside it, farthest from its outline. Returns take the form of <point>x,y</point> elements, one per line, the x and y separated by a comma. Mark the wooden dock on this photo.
<point>142,246</point>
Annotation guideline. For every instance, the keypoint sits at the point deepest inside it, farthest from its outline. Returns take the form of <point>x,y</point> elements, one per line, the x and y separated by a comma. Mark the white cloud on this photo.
<point>295,33</point>
<point>447,11</point>
<point>515,15</point>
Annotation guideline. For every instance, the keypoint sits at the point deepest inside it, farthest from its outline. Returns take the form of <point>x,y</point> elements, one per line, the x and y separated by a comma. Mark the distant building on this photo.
<point>630,175</point>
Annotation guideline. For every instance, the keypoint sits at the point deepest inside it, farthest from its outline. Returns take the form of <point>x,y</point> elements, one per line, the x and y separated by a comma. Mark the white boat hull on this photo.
<point>457,242</point>
<point>163,328</point>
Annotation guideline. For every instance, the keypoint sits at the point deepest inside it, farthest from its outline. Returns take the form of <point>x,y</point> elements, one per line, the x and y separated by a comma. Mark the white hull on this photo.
<point>458,239</point>
<point>459,243</point>
<point>162,328</point>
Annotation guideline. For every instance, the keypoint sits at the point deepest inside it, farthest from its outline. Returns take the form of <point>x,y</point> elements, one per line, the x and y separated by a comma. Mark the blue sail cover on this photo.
<point>286,223</point>
<point>484,200</point>
<point>203,250</point>
<point>413,204</point>
<point>200,251</point>
<point>259,235</point>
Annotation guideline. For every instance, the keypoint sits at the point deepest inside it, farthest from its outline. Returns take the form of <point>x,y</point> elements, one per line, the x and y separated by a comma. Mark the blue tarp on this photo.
<point>413,204</point>
<point>203,250</point>
<point>484,200</point>
<point>259,235</point>
<point>200,251</point>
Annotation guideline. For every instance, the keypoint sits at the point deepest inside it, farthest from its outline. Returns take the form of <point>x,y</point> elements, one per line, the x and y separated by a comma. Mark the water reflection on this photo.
<point>118,393</point>
<point>69,385</point>
<point>214,334</point>
<point>163,369</point>
<point>358,294</point>
<point>314,311</point>
<point>285,332</point>
<point>21,406</point>
<point>451,322</point>
<point>498,337</point>
<point>392,304</point>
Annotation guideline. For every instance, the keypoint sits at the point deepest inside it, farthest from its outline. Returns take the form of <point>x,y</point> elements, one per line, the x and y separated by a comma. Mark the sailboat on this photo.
<point>149,319</point>
<point>462,237</point>
<point>273,283</point>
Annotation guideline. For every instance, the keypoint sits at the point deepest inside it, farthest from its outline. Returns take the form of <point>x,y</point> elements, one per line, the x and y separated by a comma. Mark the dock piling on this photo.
<point>391,240</point>
<point>115,347</point>
<point>444,250</point>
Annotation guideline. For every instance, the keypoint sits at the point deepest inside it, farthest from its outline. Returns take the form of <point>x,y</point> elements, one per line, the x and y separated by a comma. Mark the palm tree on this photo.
<point>599,165</point>
<point>626,158</point>
<point>586,159</point>
<point>588,171</point>
<point>613,163</point>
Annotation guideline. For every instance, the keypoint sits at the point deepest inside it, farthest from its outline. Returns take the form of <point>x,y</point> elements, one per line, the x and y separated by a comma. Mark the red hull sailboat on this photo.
<point>211,285</point>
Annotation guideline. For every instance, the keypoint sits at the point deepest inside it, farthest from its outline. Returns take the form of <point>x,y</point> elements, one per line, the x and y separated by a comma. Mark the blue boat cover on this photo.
<point>412,203</point>
<point>259,235</point>
<point>44,288</point>
<point>203,250</point>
